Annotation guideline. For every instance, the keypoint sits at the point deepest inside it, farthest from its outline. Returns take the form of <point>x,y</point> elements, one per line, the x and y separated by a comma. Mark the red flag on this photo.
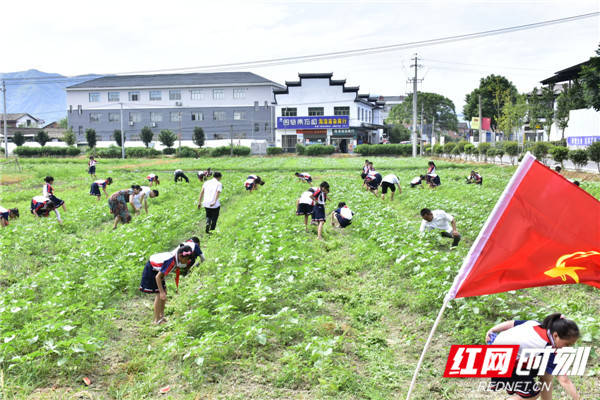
<point>543,231</point>
<point>486,123</point>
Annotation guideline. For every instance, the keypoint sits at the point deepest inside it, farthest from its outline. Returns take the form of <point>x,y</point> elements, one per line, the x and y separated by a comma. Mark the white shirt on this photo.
<point>143,194</point>
<point>3,210</point>
<point>40,199</point>
<point>391,178</point>
<point>441,220</point>
<point>305,198</point>
<point>346,213</point>
<point>211,188</point>
<point>177,171</point>
<point>416,180</point>
<point>524,335</point>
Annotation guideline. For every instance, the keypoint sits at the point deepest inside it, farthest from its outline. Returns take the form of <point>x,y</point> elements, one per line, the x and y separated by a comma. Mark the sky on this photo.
<point>80,37</point>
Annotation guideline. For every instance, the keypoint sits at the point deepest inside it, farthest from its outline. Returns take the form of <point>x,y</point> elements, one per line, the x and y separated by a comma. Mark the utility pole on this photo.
<point>231,140</point>
<point>433,126</point>
<point>421,140</point>
<point>122,134</point>
<point>481,136</point>
<point>4,120</point>
<point>415,81</point>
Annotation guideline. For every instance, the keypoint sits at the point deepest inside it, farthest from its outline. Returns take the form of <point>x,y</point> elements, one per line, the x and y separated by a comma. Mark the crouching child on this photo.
<point>342,216</point>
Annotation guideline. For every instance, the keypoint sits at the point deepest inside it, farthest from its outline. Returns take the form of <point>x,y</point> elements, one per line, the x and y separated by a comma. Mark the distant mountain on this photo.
<point>38,93</point>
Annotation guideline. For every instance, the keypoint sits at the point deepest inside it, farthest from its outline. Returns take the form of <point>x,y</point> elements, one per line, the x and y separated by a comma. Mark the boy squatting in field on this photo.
<point>6,214</point>
<point>41,207</point>
<point>178,175</point>
<point>373,180</point>
<point>439,219</point>
<point>304,177</point>
<point>153,178</point>
<point>342,216</point>
<point>390,182</point>
<point>555,332</point>
<point>252,182</point>
<point>153,277</point>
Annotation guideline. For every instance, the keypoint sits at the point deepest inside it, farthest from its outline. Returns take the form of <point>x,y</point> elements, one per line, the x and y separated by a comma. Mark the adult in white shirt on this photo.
<point>209,199</point>
<point>390,182</point>
<point>142,198</point>
<point>439,219</point>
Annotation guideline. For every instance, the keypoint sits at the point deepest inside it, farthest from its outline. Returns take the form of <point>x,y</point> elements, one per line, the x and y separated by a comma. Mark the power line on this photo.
<point>355,52</point>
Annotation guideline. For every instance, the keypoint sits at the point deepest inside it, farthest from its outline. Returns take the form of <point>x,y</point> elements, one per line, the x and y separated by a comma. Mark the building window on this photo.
<point>197,116</point>
<point>218,94</point>
<point>114,117</point>
<point>256,127</point>
<point>266,127</point>
<point>155,117</point>
<point>341,110</point>
<point>135,117</point>
<point>314,111</point>
<point>79,109</point>
<point>239,115</point>
<point>174,94</point>
<point>219,115</point>
<point>94,97</point>
<point>289,112</point>
<point>134,96</point>
<point>70,108</point>
<point>95,117</point>
<point>197,94</point>
<point>239,93</point>
<point>80,130</point>
<point>155,95</point>
<point>175,116</point>
<point>113,96</point>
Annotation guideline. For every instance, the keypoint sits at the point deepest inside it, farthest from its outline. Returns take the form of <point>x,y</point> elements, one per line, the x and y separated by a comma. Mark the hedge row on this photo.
<point>273,151</point>
<point>384,149</point>
<point>49,151</point>
<point>132,152</point>
<point>319,150</point>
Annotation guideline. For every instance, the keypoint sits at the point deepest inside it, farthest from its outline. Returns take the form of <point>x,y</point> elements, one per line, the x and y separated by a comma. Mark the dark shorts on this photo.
<point>304,209</point>
<point>363,175</point>
<point>318,213</point>
<point>148,283</point>
<point>525,386</point>
<point>374,184</point>
<point>92,170</point>
<point>343,221</point>
<point>4,215</point>
<point>58,202</point>
<point>95,190</point>
<point>386,185</point>
<point>250,186</point>
<point>435,181</point>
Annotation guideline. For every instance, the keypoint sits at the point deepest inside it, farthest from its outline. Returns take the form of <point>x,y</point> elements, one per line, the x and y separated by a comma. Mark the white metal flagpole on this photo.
<point>427,343</point>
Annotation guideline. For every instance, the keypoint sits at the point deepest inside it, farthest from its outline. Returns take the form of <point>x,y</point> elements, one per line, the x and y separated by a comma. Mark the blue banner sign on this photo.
<point>320,122</point>
<point>582,140</point>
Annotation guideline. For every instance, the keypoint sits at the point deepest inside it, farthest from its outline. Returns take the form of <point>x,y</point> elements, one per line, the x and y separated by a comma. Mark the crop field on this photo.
<point>273,313</point>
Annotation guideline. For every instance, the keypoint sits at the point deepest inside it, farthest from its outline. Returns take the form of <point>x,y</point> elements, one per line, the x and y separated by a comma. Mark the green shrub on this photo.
<point>512,149</point>
<point>438,149</point>
<point>169,150</point>
<point>594,153</point>
<point>18,139</point>
<point>226,150</point>
<point>241,150</point>
<point>187,152</point>
<point>203,152</point>
<point>141,152</point>
<point>319,150</point>
<point>448,147</point>
<point>50,151</point>
<point>384,149</point>
<point>468,149</point>
<point>272,151</point>
<point>559,154</point>
<point>461,146</point>
<point>540,150</point>
<point>578,157</point>
<point>300,149</point>
<point>483,149</point>
<point>107,152</point>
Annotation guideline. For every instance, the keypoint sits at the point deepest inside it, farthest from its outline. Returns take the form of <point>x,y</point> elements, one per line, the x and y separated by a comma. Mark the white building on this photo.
<point>319,109</point>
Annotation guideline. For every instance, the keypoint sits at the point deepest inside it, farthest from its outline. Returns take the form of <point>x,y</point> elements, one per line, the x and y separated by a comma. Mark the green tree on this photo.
<point>42,138</point>
<point>547,99</point>
<point>448,147</point>
<point>594,153</point>
<point>90,137</point>
<point>494,90</point>
<point>483,149</point>
<point>512,149</point>
<point>399,133</point>
<point>469,149</point>
<point>63,123</point>
<point>117,137</point>
<point>578,157</point>
<point>570,99</point>
<point>69,137</point>
<point>167,138</point>
<point>146,135</point>
<point>513,114</point>
<point>199,136</point>
<point>500,153</point>
<point>434,105</point>
<point>590,80</point>
<point>559,154</point>
<point>540,150</point>
<point>18,139</point>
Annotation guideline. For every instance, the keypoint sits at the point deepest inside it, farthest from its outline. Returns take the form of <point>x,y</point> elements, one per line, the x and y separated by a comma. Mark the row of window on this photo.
<point>156,95</point>
<point>314,111</point>
<point>365,115</point>
<point>174,116</point>
<point>236,135</point>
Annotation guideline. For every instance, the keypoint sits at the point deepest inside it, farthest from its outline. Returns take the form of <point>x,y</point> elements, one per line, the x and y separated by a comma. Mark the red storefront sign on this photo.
<point>312,131</point>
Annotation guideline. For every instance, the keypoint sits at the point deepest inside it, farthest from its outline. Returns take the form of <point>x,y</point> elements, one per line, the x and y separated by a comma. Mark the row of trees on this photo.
<point>541,150</point>
<point>166,137</point>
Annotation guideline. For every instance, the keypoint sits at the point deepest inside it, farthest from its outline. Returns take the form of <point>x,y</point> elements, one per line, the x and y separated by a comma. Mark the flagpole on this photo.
<point>427,343</point>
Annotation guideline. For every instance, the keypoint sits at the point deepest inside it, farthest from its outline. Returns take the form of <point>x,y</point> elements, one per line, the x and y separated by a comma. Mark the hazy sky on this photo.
<point>78,37</point>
